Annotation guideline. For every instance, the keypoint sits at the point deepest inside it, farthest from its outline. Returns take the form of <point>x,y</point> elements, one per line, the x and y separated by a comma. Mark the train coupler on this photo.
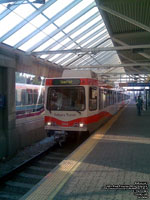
<point>60,137</point>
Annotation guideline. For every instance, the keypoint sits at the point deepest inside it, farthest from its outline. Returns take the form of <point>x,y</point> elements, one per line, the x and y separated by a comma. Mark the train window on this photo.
<point>106,98</point>
<point>30,96</point>
<point>35,94</point>
<point>66,98</point>
<point>101,99</point>
<point>18,97</point>
<point>40,99</point>
<point>24,99</point>
<point>118,97</point>
<point>92,98</point>
<point>114,97</point>
<point>111,97</point>
<point>35,98</point>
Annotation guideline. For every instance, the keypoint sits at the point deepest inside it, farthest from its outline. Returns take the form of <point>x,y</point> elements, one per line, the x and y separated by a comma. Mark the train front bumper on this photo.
<point>61,128</point>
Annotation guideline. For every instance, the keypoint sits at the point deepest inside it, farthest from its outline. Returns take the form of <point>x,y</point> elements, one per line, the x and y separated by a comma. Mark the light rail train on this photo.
<point>77,103</point>
<point>29,100</point>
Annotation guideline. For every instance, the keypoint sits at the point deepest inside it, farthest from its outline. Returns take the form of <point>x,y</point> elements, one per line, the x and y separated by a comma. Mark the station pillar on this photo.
<point>8,139</point>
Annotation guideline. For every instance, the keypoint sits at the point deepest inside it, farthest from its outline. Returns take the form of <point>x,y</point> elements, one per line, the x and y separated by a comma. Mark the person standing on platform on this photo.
<point>139,105</point>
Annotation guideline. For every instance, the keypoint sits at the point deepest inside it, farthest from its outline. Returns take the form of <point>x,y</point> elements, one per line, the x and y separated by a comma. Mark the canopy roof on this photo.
<point>70,33</point>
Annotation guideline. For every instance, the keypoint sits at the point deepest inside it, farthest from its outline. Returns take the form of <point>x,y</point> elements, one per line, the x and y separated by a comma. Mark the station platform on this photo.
<point>113,164</point>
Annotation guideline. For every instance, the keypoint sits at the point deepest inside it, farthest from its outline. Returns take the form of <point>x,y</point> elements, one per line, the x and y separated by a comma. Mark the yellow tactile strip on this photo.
<point>49,186</point>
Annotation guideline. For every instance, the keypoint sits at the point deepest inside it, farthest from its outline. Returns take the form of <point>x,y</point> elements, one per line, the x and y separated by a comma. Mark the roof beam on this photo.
<point>111,65</point>
<point>93,50</point>
<point>126,35</point>
<point>124,44</point>
<point>124,17</point>
<point>114,74</point>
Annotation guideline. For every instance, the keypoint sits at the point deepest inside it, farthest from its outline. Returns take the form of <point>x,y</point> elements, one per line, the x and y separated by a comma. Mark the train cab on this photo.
<point>76,103</point>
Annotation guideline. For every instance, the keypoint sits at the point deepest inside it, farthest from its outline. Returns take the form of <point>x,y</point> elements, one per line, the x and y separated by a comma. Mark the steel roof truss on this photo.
<point>124,17</point>
<point>53,19</point>
<point>116,65</point>
<point>26,20</point>
<point>95,50</point>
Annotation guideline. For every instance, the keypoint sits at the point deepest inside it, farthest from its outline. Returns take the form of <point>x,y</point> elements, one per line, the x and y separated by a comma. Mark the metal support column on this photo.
<point>8,136</point>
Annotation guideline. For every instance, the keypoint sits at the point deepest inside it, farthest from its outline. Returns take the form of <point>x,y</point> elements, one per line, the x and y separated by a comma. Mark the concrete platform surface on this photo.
<point>113,164</point>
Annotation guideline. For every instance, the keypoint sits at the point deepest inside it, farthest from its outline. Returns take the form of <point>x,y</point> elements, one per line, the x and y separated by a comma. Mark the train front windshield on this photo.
<point>66,98</point>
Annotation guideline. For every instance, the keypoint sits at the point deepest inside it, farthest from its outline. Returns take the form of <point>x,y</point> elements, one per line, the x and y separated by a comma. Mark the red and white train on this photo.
<point>29,100</point>
<point>76,102</point>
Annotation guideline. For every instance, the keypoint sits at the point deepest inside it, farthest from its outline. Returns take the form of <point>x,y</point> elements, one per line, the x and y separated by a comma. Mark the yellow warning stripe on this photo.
<point>49,186</point>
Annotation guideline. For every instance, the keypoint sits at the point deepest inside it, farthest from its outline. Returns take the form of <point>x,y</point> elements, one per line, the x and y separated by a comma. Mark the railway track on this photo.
<point>21,179</point>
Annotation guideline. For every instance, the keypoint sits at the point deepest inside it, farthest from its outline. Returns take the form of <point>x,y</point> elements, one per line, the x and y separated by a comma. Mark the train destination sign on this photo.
<point>66,82</point>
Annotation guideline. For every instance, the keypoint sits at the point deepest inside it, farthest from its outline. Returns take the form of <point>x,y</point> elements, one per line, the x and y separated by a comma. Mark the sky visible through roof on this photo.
<point>57,25</point>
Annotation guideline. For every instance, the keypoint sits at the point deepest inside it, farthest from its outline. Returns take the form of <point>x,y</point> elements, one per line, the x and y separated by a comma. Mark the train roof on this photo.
<point>24,85</point>
<point>79,74</point>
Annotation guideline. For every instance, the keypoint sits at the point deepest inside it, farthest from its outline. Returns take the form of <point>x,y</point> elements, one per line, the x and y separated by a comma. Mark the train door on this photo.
<point>101,101</point>
<point>93,108</point>
<point>93,99</point>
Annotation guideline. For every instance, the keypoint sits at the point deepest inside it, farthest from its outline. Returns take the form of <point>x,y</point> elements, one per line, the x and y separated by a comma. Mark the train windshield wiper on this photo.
<point>78,112</point>
<point>49,109</point>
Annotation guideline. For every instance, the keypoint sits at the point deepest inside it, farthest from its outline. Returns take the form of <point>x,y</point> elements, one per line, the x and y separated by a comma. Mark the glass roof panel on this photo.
<point>43,56</point>
<point>76,9</point>
<point>62,56</point>
<point>19,35</point>
<point>65,41</point>
<point>49,29</point>
<point>24,10</point>
<point>70,46</point>
<point>58,46</point>
<point>98,41</point>
<point>62,43</point>
<point>58,36</point>
<point>2,8</point>
<point>56,7</point>
<point>55,56</point>
<point>80,20</point>
<point>86,31</point>
<point>38,21</point>
<point>85,27</point>
<point>69,59</point>
<point>10,20</point>
<point>92,39</point>
<point>32,41</point>
<point>65,56</point>
<point>90,32</point>
<point>45,45</point>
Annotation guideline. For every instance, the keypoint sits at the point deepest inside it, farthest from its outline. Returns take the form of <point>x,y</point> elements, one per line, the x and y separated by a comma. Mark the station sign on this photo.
<point>138,84</point>
<point>134,84</point>
<point>135,89</point>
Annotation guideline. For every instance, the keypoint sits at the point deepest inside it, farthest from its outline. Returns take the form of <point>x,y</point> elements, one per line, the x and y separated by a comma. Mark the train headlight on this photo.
<point>49,123</point>
<point>81,125</point>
